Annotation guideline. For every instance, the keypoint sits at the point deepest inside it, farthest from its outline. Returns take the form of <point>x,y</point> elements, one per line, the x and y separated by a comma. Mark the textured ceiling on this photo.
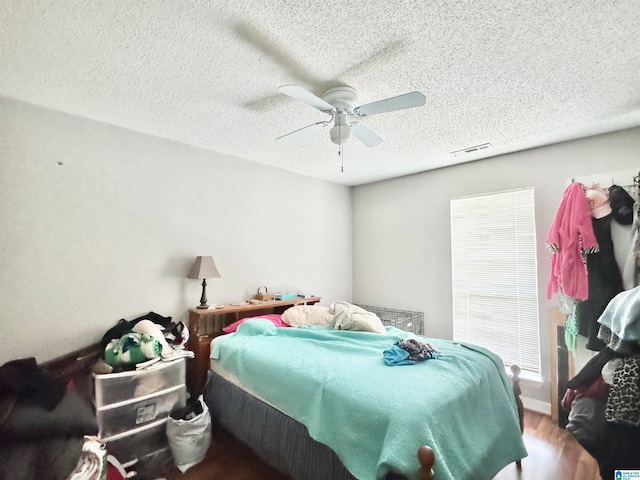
<point>515,74</point>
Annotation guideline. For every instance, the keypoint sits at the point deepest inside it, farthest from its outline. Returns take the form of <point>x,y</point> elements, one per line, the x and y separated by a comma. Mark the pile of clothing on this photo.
<point>603,399</point>
<point>143,341</point>
<point>43,424</point>
<point>409,352</point>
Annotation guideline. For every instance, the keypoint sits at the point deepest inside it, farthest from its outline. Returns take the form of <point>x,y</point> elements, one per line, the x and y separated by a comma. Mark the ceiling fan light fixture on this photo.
<point>341,103</point>
<point>340,134</point>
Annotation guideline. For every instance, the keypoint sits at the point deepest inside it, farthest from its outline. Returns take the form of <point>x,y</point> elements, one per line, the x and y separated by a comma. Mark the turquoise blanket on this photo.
<point>376,416</point>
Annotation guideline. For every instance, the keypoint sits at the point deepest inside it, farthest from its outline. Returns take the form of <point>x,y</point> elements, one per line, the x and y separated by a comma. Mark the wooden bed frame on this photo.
<point>206,324</point>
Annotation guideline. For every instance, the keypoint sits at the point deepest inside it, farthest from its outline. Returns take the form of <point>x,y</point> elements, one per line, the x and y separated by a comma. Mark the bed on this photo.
<point>321,403</point>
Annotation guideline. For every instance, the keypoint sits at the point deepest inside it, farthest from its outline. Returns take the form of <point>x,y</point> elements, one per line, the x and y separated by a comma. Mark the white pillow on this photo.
<point>315,315</point>
<point>363,322</point>
<point>353,317</point>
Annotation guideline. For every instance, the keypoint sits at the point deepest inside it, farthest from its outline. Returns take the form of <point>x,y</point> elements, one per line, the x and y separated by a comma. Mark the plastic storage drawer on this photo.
<point>140,441</point>
<point>112,388</point>
<point>120,417</point>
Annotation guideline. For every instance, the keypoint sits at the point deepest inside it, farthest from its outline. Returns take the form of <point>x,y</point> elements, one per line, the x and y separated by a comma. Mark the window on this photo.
<point>495,284</point>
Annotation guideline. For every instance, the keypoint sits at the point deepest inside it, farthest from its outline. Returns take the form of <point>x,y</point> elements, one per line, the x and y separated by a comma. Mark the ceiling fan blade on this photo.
<point>307,97</point>
<point>299,132</point>
<point>408,100</point>
<point>365,135</point>
<point>266,44</point>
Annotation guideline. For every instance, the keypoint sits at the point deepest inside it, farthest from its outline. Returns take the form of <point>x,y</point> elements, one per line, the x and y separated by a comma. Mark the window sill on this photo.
<point>533,383</point>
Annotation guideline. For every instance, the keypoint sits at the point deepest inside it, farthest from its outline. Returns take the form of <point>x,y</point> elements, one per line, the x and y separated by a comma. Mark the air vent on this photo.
<point>469,150</point>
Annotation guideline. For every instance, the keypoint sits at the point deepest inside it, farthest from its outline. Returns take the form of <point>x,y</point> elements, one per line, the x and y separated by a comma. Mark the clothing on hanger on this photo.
<point>621,204</point>
<point>604,281</point>
<point>570,239</point>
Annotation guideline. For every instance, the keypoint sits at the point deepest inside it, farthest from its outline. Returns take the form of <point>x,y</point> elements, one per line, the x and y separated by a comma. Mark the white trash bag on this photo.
<point>189,434</point>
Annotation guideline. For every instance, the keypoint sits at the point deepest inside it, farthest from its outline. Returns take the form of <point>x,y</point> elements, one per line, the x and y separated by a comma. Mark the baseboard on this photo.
<point>536,405</point>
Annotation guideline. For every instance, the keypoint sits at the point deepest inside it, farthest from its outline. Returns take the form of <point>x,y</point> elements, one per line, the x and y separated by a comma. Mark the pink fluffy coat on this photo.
<point>570,238</point>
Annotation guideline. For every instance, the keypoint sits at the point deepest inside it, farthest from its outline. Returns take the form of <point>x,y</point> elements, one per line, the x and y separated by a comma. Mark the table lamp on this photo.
<point>204,268</point>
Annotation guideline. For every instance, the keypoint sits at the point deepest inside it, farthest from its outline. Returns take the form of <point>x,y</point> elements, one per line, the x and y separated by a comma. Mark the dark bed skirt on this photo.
<point>275,437</point>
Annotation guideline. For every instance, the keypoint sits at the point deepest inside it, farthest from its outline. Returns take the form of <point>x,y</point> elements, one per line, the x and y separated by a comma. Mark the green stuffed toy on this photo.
<point>131,349</point>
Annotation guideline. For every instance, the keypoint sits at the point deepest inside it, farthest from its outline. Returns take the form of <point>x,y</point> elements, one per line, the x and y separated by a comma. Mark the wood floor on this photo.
<point>553,455</point>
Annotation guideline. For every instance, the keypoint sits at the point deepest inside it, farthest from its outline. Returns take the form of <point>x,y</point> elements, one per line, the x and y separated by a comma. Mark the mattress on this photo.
<point>216,367</point>
<point>276,438</point>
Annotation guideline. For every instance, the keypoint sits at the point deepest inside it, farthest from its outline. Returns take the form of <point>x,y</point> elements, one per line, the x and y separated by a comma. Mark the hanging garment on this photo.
<point>623,403</point>
<point>571,333</point>
<point>623,241</point>
<point>622,315</point>
<point>570,239</point>
<point>613,342</point>
<point>598,200</point>
<point>604,281</point>
<point>621,204</point>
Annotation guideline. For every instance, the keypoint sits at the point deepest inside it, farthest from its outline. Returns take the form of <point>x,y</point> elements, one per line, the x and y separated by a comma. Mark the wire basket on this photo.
<point>403,319</point>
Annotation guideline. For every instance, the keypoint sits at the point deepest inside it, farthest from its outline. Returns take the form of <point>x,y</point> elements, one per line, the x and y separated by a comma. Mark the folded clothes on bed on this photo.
<point>409,352</point>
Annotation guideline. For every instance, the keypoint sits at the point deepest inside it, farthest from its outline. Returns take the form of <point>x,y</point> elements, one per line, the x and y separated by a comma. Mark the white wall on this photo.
<point>401,227</point>
<point>100,223</point>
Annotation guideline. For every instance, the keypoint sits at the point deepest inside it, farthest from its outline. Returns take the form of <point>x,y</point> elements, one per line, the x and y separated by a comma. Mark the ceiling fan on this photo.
<point>341,104</point>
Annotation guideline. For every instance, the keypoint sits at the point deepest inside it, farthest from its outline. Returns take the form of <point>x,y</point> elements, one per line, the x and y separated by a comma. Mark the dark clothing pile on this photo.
<point>42,423</point>
<point>605,418</point>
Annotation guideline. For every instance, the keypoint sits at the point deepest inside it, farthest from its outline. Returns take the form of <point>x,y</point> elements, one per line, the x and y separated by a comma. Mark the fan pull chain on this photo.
<point>340,147</point>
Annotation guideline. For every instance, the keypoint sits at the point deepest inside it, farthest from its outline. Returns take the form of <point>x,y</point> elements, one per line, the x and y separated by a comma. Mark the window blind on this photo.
<point>494,274</point>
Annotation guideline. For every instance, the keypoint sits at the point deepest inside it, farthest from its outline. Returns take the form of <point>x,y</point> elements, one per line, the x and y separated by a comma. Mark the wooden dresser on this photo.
<point>206,324</point>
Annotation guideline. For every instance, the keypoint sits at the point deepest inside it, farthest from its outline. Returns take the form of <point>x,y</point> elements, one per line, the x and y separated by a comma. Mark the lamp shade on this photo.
<point>204,267</point>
